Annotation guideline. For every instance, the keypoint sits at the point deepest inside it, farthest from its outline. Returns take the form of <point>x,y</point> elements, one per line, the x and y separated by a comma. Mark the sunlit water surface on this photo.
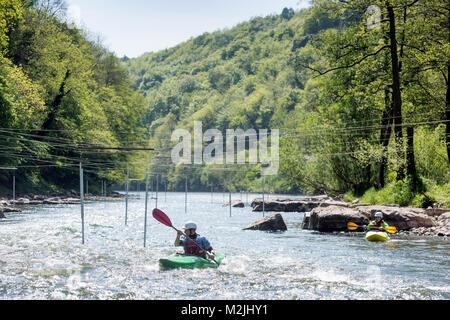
<point>41,256</point>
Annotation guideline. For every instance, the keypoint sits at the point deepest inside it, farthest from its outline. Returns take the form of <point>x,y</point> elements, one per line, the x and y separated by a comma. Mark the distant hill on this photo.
<point>237,78</point>
<point>330,83</point>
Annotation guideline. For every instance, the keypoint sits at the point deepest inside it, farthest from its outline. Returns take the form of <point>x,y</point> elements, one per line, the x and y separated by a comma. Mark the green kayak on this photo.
<point>189,262</point>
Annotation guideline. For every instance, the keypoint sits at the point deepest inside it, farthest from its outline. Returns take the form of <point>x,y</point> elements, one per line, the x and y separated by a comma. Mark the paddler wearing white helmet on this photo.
<point>378,224</point>
<point>193,242</point>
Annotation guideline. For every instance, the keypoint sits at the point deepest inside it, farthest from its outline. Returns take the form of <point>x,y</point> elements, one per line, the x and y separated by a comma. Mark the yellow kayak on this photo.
<point>377,236</point>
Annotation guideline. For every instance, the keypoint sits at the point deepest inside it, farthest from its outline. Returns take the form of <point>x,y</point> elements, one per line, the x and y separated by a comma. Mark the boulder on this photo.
<point>71,201</point>
<point>235,204</point>
<point>403,218</point>
<point>287,205</point>
<point>8,209</point>
<point>436,212</point>
<point>35,202</point>
<point>26,202</point>
<point>54,200</point>
<point>273,222</point>
<point>332,218</point>
<point>22,201</point>
<point>335,218</point>
<point>443,225</point>
<point>38,197</point>
<point>328,203</point>
<point>318,198</point>
<point>283,205</point>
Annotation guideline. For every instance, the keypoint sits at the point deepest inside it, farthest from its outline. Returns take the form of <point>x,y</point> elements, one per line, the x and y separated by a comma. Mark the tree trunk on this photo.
<point>54,106</point>
<point>386,130</point>
<point>447,114</point>
<point>410,159</point>
<point>396,93</point>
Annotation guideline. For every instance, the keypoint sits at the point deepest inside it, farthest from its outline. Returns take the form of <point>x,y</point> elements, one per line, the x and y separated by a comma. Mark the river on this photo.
<point>41,256</point>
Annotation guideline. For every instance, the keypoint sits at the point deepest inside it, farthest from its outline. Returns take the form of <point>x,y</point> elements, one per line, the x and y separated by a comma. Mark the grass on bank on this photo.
<point>403,193</point>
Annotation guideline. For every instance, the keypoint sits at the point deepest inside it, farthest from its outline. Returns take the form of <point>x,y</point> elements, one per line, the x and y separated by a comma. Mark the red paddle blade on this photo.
<point>162,217</point>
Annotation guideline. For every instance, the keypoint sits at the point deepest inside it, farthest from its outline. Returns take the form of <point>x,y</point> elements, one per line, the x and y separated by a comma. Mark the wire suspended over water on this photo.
<point>84,150</point>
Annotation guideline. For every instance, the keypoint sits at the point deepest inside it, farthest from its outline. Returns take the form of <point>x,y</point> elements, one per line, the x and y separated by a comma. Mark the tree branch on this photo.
<point>406,5</point>
<point>321,73</point>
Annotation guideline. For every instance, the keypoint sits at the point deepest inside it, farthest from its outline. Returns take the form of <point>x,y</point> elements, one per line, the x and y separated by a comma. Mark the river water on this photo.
<point>41,256</point>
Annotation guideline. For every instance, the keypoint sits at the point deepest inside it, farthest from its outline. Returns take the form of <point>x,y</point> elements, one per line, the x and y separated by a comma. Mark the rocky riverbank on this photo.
<point>330,215</point>
<point>287,205</point>
<point>7,206</point>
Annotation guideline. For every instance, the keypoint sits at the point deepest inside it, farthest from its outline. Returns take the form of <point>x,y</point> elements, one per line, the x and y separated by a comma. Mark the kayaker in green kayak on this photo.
<point>190,228</point>
<point>378,224</point>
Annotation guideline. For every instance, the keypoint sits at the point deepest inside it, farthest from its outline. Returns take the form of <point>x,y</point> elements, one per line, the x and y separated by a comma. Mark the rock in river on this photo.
<point>7,209</point>
<point>332,218</point>
<point>282,205</point>
<point>287,205</point>
<point>235,204</point>
<point>335,218</point>
<point>273,222</point>
<point>403,218</point>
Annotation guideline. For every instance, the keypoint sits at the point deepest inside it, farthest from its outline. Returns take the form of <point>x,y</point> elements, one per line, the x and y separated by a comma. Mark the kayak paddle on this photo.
<point>165,220</point>
<point>354,226</point>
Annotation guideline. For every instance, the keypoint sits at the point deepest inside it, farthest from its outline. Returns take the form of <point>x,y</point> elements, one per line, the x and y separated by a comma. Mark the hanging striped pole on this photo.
<point>146,202</point>
<point>126,197</point>
<point>229,198</point>
<point>246,202</point>
<point>138,188</point>
<point>185,195</point>
<point>14,186</point>
<point>165,192</point>
<point>157,187</point>
<point>264,210</point>
<point>82,202</point>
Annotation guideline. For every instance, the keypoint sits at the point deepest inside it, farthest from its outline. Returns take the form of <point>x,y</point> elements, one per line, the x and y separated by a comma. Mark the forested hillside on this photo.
<point>358,89</point>
<point>61,91</point>
<point>362,108</point>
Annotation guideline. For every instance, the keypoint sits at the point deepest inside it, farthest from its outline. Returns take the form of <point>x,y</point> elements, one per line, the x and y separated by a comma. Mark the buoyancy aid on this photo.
<point>375,225</point>
<point>191,248</point>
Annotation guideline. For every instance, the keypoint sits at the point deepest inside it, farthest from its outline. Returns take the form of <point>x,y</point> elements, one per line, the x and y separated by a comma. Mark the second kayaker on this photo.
<point>190,247</point>
<point>378,224</point>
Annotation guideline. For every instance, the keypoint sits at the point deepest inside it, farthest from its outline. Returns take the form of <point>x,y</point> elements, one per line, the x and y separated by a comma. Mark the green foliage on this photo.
<point>287,13</point>
<point>274,72</point>
<point>403,193</point>
<point>59,90</point>
<point>10,15</point>
<point>320,75</point>
<point>423,201</point>
<point>431,155</point>
<point>439,193</point>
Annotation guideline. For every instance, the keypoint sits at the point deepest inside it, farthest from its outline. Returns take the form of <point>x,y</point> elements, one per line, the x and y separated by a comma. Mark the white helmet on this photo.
<point>190,225</point>
<point>379,214</point>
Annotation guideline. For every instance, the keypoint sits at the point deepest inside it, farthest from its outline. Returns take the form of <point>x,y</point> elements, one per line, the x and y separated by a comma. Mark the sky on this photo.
<point>134,27</point>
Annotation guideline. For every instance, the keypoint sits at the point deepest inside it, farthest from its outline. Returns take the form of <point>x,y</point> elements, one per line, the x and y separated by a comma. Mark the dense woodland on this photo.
<point>362,107</point>
<point>358,89</point>
<point>61,92</point>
